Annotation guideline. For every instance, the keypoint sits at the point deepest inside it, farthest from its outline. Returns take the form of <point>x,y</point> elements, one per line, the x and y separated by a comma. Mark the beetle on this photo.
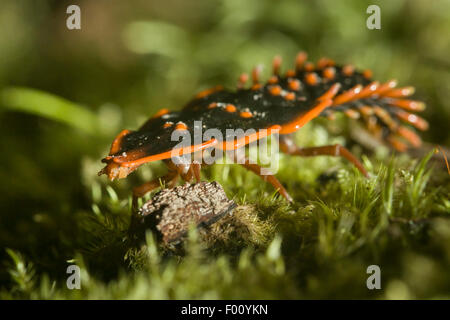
<point>283,104</point>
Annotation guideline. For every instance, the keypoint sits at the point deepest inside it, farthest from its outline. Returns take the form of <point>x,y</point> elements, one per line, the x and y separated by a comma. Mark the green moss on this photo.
<point>56,211</point>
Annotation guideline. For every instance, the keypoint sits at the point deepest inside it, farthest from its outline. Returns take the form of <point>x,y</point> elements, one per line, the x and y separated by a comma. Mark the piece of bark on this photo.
<point>173,210</point>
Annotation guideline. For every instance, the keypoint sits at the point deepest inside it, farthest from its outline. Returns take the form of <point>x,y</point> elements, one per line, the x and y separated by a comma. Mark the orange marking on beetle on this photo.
<point>397,144</point>
<point>312,79</point>
<point>301,120</point>
<point>273,80</point>
<point>209,91</point>
<point>324,102</point>
<point>366,110</point>
<point>367,74</point>
<point>160,113</point>
<point>256,86</point>
<point>290,73</point>
<point>276,65</point>
<point>329,73</point>
<point>137,161</point>
<point>246,114</point>
<point>309,66</point>
<point>294,84</point>
<point>413,119</point>
<point>181,126</point>
<point>348,70</point>
<point>300,59</point>
<point>238,143</point>
<point>347,95</point>
<point>243,78</point>
<point>399,93</point>
<point>368,90</point>
<point>330,93</point>
<point>386,87</point>
<point>385,117</point>
<point>230,108</point>
<point>256,72</point>
<point>352,114</point>
<point>167,125</point>
<point>290,96</point>
<point>212,105</point>
<point>323,62</point>
<point>410,105</point>
<point>409,135</point>
<point>275,90</point>
<point>116,144</point>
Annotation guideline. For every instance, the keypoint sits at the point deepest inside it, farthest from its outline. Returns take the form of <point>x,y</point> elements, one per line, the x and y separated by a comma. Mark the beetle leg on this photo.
<point>269,177</point>
<point>196,167</point>
<point>288,146</point>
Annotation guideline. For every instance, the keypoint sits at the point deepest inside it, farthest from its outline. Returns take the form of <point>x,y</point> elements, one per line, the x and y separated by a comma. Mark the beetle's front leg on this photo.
<point>288,146</point>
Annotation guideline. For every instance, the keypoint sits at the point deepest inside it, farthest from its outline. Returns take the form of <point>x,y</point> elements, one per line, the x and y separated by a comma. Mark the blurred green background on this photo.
<point>64,94</point>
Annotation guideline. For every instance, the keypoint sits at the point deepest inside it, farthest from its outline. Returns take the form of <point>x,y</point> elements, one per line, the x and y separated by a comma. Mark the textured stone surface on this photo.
<point>172,210</point>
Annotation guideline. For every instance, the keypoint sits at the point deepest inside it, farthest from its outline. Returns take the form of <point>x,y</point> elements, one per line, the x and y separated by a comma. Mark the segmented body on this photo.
<point>283,104</point>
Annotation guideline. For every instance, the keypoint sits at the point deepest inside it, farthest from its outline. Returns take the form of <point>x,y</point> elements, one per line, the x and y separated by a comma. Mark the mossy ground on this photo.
<point>318,247</point>
<point>129,61</point>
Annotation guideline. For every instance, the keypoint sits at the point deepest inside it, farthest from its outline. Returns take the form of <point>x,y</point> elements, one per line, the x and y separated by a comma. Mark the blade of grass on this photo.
<point>48,106</point>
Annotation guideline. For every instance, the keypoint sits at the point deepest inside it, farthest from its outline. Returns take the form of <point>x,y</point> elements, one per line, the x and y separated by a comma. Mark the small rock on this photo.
<point>172,210</point>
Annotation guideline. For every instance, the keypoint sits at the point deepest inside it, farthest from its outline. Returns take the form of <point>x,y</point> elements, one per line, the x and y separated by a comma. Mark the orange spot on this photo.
<point>256,86</point>
<point>385,117</point>
<point>275,90</point>
<point>209,91</point>
<point>323,62</point>
<point>347,95</point>
<point>329,73</point>
<point>243,78</point>
<point>276,65</point>
<point>396,144</point>
<point>309,66</point>
<point>367,74</point>
<point>294,84</point>
<point>311,78</point>
<point>366,110</point>
<point>246,114</point>
<point>233,145</point>
<point>212,105</point>
<point>409,135</point>
<point>126,162</point>
<point>410,105</point>
<point>300,59</point>
<point>115,146</point>
<point>368,90</point>
<point>181,126</point>
<point>304,118</point>
<point>160,113</point>
<point>230,108</point>
<point>290,73</point>
<point>289,96</point>
<point>330,93</point>
<point>399,93</point>
<point>273,80</point>
<point>352,114</point>
<point>255,74</point>
<point>348,70</point>
<point>167,125</point>
<point>386,87</point>
<point>413,119</point>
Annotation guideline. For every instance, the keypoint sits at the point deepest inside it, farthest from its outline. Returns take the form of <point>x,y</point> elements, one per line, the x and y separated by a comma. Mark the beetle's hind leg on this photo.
<point>288,146</point>
<point>257,169</point>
